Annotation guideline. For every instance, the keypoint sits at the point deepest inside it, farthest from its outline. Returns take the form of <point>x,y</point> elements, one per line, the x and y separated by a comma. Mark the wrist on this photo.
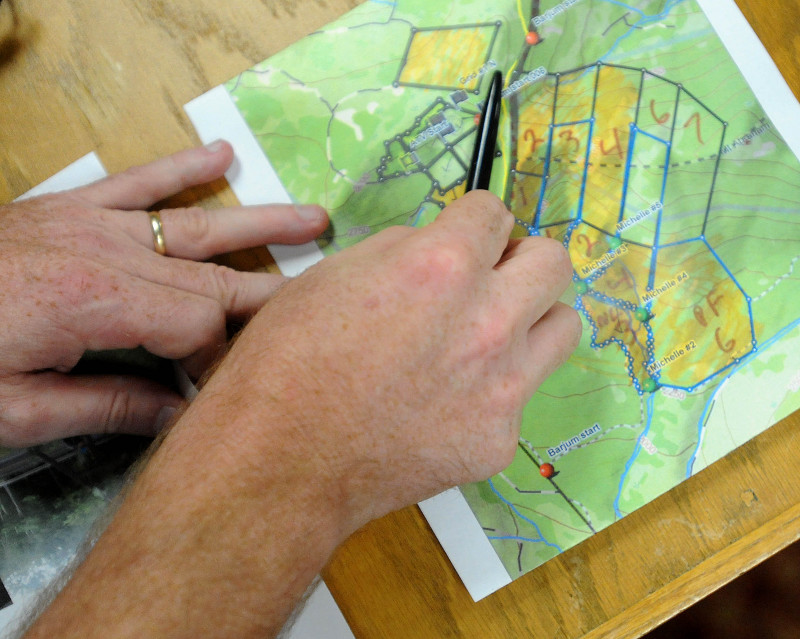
<point>277,431</point>
<point>217,537</point>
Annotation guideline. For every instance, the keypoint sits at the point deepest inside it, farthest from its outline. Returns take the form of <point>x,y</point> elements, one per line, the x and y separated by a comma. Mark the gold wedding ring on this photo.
<point>158,232</point>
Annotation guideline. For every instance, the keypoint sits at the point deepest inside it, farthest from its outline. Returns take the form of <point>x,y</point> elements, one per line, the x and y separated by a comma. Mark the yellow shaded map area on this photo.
<point>674,311</point>
<point>609,134</point>
<point>431,52</point>
<point>701,311</point>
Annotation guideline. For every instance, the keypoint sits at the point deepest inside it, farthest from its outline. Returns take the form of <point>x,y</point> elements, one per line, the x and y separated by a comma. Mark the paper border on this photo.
<point>757,67</point>
<point>255,181</point>
<point>81,172</point>
<point>251,176</point>
<point>467,546</point>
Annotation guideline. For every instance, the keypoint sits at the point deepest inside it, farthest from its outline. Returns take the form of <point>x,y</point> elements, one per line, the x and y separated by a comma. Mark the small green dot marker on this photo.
<point>642,314</point>
<point>650,385</point>
<point>581,287</point>
<point>614,242</point>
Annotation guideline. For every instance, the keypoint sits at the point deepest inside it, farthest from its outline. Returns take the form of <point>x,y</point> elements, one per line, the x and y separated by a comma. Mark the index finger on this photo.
<point>535,271</point>
<point>142,186</point>
<point>480,221</point>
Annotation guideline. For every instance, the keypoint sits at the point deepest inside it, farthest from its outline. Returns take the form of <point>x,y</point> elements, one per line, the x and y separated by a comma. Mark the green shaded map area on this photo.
<point>629,135</point>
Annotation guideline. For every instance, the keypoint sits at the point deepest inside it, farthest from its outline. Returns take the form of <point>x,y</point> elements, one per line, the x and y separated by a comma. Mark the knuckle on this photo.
<point>137,172</point>
<point>557,257</point>
<point>569,330</point>
<point>493,334</point>
<point>441,265</point>
<point>569,319</point>
<point>493,211</point>
<point>502,448</point>
<point>489,203</point>
<point>138,177</point>
<point>574,329</point>
<point>506,450</point>
<point>208,324</point>
<point>24,421</point>
<point>225,284</point>
<point>564,263</point>
<point>118,411</point>
<point>141,176</point>
<point>193,224</point>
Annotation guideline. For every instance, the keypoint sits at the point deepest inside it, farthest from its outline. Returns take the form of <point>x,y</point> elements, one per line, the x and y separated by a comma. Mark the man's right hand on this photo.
<point>402,365</point>
<point>381,376</point>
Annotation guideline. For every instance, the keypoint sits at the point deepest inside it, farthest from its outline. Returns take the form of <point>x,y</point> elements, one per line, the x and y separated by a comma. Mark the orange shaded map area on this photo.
<point>603,159</point>
<point>701,319</point>
<point>676,313</point>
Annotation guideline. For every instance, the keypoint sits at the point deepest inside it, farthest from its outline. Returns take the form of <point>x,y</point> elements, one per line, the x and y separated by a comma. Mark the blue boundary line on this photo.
<point>742,363</point>
<point>657,247</point>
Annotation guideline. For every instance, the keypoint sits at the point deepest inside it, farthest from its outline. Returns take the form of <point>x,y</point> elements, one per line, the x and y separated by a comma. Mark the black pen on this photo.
<point>480,169</point>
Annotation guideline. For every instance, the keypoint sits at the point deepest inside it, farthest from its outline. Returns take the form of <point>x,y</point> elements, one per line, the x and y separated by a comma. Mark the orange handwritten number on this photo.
<point>531,135</point>
<point>728,346</point>
<point>617,145</point>
<point>589,244</point>
<point>571,138</point>
<point>700,316</point>
<point>696,118</point>
<point>663,118</point>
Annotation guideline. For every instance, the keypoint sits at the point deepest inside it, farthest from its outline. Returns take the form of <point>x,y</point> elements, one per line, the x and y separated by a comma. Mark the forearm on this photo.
<point>215,539</point>
<point>376,379</point>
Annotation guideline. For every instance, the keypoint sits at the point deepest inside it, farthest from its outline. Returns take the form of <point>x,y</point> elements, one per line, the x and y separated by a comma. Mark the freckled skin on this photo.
<point>384,374</point>
<point>443,363</point>
<point>79,274</point>
<point>408,378</point>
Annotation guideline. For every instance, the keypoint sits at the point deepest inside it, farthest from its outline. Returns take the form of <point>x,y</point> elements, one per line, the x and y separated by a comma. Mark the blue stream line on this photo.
<point>643,20</point>
<point>637,449</point>
<point>582,198</point>
<point>744,362</point>
<point>523,517</point>
<point>626,179</point>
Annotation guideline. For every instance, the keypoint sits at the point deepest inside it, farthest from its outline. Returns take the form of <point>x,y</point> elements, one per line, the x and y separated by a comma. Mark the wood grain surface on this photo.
<point>113,77</point>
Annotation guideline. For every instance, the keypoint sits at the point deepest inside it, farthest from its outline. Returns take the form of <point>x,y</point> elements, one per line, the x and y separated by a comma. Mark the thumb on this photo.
<point>41,407</point>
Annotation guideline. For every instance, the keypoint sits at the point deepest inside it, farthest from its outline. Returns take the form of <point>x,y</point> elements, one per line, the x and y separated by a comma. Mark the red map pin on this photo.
<point>547,470</point>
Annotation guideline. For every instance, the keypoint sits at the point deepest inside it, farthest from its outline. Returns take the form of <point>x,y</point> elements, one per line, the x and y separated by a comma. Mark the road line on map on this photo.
<point>583,517</point>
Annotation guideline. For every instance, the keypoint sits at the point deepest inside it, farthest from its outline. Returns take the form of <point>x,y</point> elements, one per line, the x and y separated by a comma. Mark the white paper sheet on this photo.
<point>251,176</point>
<point>254,181</point>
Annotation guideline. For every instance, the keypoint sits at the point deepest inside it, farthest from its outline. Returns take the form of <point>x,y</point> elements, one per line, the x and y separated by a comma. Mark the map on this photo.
<point>629,134</point>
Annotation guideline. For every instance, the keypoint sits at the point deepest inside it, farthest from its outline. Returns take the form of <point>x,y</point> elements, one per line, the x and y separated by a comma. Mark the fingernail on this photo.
<point>163,418</point>
<point>215,146</point>
<point>309,212</point>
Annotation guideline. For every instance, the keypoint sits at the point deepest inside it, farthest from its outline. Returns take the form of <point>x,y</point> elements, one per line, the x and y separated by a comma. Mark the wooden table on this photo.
<point>113,77</point>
